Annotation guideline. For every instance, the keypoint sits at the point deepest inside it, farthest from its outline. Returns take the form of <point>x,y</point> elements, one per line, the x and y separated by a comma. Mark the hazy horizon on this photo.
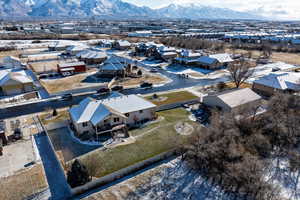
<point>280,10</point>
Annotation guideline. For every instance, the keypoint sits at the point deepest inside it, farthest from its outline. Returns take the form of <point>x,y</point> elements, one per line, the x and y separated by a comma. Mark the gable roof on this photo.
<point>90,110</point>
<point>126,104</point>
<point>94,111</point>
<point>17,76</point>
<point>282,81</point>
<point>91,54</point>
<point>207,60</point>
<point>222,58</point>
<point>238,97</point>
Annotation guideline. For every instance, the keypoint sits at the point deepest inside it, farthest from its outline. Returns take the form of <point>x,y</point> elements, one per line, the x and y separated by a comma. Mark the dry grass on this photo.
<point>44,66</point>
<point>62,115</point>
<point>23,184</point>
<point>173,97</point>
<point>231,85</point>
<point>68,83</point>
<point>291,58</point>
<point>154,139</point>
<point>150,78</point>
<point>9,53</point>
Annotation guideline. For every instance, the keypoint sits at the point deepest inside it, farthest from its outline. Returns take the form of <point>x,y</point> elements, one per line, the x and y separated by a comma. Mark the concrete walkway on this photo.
<point>59,188</point>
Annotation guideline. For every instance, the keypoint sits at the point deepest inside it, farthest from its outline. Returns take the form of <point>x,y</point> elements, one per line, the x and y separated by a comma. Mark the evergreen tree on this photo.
<point>78,175</point>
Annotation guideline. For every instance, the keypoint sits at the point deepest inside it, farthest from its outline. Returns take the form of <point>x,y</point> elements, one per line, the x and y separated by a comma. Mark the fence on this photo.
<point>121,173</point>
<point>176,105</point>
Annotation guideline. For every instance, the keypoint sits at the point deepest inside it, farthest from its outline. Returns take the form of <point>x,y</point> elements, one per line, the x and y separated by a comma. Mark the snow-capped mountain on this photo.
<point>195,11</point>
<point>112,8</point>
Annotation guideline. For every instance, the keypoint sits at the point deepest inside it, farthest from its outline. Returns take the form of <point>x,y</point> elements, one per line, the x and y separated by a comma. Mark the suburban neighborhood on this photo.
<point>114,107</point>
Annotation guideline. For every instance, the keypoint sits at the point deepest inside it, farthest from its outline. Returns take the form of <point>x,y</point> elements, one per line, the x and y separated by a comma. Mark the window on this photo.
<point>141,111</point>
<point>127,114</point>
<point>84,124</point>
<point>116,119</point>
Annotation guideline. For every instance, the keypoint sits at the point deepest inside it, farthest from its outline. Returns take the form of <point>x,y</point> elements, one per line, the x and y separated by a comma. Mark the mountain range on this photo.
<point>113,8</point>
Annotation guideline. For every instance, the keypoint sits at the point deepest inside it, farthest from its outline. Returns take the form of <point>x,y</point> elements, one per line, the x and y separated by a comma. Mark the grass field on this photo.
<point>173,97</point>
<point>153,139</point>
<point>62,115</point>
<point>23,184</point>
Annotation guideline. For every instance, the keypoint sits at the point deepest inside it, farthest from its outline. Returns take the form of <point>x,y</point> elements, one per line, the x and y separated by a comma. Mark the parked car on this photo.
<point>18,134</point>
<point>117,88</point>
<point>146,85</point>
<point>67,97</point>
<point>153,70</point>
<point>103,90</point>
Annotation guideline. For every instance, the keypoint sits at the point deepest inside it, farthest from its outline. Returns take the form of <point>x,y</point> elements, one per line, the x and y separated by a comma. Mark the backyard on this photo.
<point>152,139</point>
<point>169,98</point>
<point>23,183</point>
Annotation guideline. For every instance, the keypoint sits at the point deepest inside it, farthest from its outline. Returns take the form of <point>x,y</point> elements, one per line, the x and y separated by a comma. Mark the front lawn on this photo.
<point>151,140</point>
<point>48,118</point>
<point>169,98</point>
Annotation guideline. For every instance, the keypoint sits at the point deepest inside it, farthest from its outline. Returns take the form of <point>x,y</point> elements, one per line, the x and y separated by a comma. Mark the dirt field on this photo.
<point>69,83</point>
<point>23,184</point>
<point>40,67</point>
<point>9,53</point>
<point>135,82</point>
<point>290,58</point>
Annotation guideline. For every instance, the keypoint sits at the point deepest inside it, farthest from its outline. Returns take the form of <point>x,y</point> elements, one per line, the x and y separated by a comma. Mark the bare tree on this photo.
<point>240,72</point>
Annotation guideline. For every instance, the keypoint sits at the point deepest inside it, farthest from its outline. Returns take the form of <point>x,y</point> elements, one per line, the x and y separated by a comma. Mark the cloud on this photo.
<point>278,9</point>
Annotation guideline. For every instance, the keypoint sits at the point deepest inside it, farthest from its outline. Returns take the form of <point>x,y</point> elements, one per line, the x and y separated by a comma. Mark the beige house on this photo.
<point>233,100</point>
<point>277,82</point>
<point>15,82</point>
<point>116,113</point>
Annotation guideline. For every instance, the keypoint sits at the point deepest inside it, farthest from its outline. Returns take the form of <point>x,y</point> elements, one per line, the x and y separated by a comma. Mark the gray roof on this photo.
<point>94,111</point>
<point>18,76</point>
<point>238,97</point>
<point>126,104</point>
<point>282,81</point>
<point>73,64</point>
<point>91,54</point>
<point>90,110</point>
<point>207,60</point>
<point>222,58</point>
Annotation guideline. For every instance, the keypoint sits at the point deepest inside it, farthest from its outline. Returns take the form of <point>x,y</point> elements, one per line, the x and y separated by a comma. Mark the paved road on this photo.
<point>56,179</point>
<point>176,83</point>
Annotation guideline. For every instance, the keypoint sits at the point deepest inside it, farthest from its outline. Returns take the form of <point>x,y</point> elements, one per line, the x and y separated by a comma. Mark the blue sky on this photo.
<point>279,9</point>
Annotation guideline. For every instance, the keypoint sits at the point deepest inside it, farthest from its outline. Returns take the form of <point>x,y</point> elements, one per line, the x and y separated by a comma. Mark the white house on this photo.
<point>13,82</point>
<point>278,81</point>
<point>117,112</point>
<point>12,62</point>
<point>233,100</point>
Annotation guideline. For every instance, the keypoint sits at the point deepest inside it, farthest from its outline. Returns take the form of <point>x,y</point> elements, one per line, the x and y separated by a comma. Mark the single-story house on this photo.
<point>115,66</point>
<point>58,46</point>
<point>277,82</point>
<point>215,61</point>
<point>117,112</point>
<point>92,57</point>
<point>75,49</point>
<point>74,67</point>
<point>122,45</point>
<point>233,100</point>
<point>15,82</point>
<point>12,62</point>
